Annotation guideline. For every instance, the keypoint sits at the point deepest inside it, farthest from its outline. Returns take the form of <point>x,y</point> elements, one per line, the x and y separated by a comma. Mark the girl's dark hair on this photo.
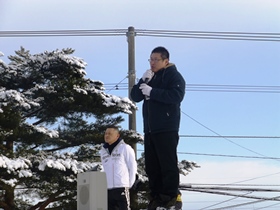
<point>163,51</point>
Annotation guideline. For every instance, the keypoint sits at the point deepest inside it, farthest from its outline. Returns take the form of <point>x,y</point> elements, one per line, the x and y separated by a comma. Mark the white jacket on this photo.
<point>120,167</point>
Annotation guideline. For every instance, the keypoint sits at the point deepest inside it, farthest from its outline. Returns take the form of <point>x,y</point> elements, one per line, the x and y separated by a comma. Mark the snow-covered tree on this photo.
<point>52,121</point>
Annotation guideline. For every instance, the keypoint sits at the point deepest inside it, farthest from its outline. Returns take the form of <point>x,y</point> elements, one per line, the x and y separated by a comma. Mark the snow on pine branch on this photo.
<point>14,164</point>
<point>124,103</point>
<point>47,58</point>
<point>18,166</point>
<point>22,167</point>
<point>44,130</point>
<point>20,99</point>
<point>63,162</point>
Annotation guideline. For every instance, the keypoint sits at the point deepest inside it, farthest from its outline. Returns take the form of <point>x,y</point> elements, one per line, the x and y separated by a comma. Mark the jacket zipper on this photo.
<point>113,168</point>
<point>148,105</point>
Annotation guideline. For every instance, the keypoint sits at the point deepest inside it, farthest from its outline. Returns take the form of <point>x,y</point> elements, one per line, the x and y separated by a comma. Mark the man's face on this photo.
<point>157,63</point>
<point>111,135</point>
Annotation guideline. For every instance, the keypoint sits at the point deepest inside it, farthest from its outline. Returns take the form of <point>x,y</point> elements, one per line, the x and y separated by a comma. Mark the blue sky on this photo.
<point>211,62</point>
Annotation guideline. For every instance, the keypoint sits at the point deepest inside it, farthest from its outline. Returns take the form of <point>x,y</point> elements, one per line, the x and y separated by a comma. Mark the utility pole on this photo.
<point>132,117</point>
<point>131,77</point>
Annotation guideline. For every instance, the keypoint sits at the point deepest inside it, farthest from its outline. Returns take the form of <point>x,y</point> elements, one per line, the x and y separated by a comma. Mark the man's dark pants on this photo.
<point>161,163</point>
<point>118,199</point>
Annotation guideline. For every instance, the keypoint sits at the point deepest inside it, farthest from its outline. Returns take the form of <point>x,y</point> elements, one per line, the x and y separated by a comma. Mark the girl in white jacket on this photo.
<point>120,166</point>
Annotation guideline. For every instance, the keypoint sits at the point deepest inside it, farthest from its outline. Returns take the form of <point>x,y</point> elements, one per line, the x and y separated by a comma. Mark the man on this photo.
<point>119,163</point>
<point>162,88</point>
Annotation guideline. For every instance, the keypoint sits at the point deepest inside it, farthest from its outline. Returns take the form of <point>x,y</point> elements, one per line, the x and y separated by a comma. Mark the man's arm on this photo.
<point>136,93</point>
<point>131,165</point>
<point>173,94</point>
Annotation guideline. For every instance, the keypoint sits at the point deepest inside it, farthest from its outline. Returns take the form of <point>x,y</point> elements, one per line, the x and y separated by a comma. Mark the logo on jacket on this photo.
<point>116,155</point>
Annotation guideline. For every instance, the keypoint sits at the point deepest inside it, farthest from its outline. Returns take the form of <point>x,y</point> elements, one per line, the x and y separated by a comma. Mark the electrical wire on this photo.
<point>249,203</point>
<point>117,84</point>
<point>241,189</point>
<point>48,33</point>
<point>230,156</point>
<point>254,185</point>
<point>256,178</point>
<point>276,204</point>
<point>245,36</point>
<point>232,189</point>
<point>231,137</point>
<point>222,192</point>
<point>219,203</point>
<point>211,35</point>
<point>221,135</point>
<point>221,155</point>
<point>212,88</point>
<point>230,194</point>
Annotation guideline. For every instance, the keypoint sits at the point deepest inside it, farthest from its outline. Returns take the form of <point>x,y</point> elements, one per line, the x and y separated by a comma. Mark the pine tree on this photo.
<point>52,121</point>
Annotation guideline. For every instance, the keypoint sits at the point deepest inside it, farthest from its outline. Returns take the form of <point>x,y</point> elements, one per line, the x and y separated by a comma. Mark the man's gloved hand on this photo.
<point>146,89</point>
<point>147,76</point>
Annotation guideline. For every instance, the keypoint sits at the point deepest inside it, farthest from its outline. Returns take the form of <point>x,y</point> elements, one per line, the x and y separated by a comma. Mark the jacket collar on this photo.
<point>106,145</point>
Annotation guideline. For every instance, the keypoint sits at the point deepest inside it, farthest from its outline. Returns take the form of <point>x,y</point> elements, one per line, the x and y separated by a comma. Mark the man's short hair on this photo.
<point>114,127</point>
<point>163,51</point>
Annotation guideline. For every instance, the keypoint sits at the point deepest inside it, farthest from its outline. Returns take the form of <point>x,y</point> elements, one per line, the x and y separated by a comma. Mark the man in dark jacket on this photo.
<point>162,88</point>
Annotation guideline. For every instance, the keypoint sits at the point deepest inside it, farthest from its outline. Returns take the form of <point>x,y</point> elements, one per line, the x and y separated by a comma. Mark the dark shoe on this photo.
<point>166,201</point>
<point>178,203</point>
<point>153,204</point>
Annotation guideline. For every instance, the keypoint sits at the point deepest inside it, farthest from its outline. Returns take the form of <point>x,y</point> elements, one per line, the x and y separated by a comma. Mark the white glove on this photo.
<point>147,76</point>
<point>146,89</point>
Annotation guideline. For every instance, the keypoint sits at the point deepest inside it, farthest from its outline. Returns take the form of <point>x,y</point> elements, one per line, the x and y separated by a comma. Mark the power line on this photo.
<point>212,88</point>
<point>250,203</point>
<point>222,192</point>
<point>256,178</point>
<point>244,36</point>
<point>255,185</point>
<point>221,135</point>
<point>231,188</point>
<point>117,84</point>
<point>230,156</point>
<point>225,201</point>
<point>276,204</point>
<point>233,88</point>
<point>221,155</point>
<point>49,33</point>
<point>214,37</point>
<point>247,36</point>
<point>231,137</point>
<point>180,32</point>
<point>214,187</point>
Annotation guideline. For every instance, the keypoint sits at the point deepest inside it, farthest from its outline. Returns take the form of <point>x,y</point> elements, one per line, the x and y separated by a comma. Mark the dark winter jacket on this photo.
<point>161,113</point>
